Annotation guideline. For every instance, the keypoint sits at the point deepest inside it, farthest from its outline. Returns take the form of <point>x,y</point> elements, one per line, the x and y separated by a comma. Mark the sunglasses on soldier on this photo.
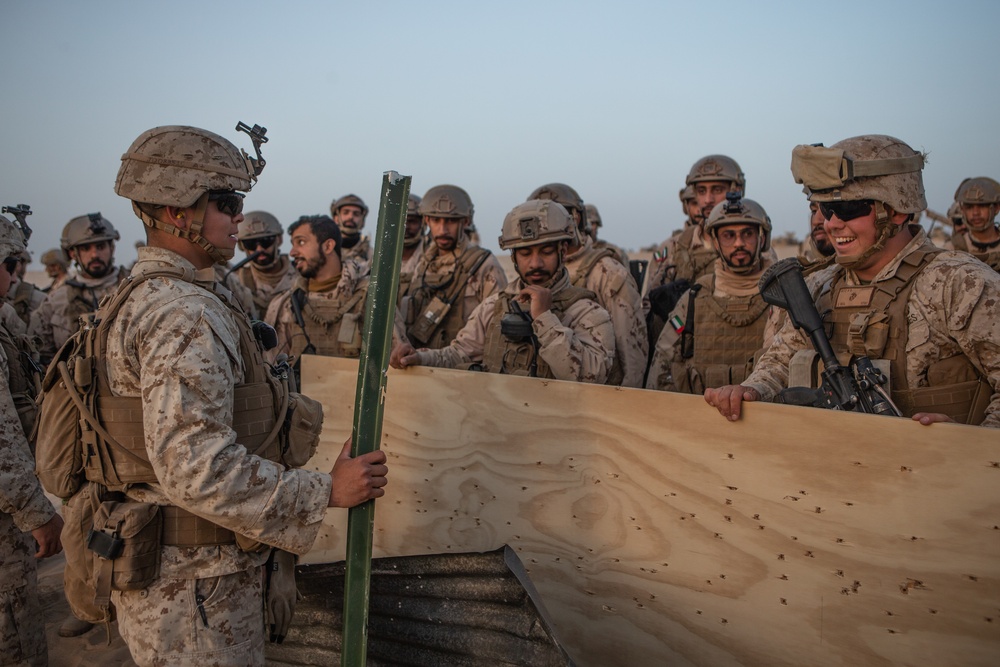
<point>229,202</point>
<point>846,210</point>
<point>253,244</point>
<point>10,265</point>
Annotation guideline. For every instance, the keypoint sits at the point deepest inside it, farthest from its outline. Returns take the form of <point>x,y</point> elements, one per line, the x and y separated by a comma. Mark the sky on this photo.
<point>616,99</point>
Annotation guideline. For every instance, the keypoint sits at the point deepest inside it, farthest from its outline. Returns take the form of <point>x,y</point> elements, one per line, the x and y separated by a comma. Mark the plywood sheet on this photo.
<point>658,533</point>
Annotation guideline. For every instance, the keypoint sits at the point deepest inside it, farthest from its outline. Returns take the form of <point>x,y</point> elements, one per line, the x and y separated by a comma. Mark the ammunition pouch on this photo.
<point>126,537</point>
<point>303,426</point>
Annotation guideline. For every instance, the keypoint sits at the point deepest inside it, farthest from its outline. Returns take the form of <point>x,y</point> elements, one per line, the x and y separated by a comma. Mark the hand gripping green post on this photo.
<point>375,347</point>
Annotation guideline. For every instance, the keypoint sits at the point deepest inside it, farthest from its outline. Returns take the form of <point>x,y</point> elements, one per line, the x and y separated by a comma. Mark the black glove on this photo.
<point>662,299</point>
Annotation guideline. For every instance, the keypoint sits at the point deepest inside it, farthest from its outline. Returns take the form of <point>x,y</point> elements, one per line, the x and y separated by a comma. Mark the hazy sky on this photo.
<point>616,100</point>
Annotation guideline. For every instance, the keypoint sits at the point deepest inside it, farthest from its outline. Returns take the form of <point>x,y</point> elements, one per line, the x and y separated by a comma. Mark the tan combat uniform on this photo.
<point>11,321</point>
<point>619,253</point>
<point>25,298</point>
<point>332,317</point>
<point>942,337</point>
<point>176,344</point>
<point>578,345</point>
<point>266,285</point>
<point>596,270</point>
<point>408,267</point>
<point>731,324</point>
<point>58,317</point>
<point>23,508</point>
<point>690,255</point>
<point>360,252</point>
<point>989,256</point>
<point>441,275</point>
<point>240,292</point>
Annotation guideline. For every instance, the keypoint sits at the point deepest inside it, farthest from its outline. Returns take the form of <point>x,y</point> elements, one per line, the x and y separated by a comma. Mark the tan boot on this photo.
<point>74,627</point>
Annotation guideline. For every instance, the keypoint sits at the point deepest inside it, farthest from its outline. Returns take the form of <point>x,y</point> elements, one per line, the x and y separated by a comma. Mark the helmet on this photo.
<point>446,201</point>
<point>534,222</point>
<point>11,239</point>
<point>717,168</point>
<point>412,204</point>
<point>980,190</point>
<point>565,195</point>
<point>55,256</point>
<point>593,217</point>
<point>955,214</point>
<point>686,194</point>
<point>258,225</point>
<point>175,165</point>
<point>738,211</point>
<point>872,166</point>
<point>90,228</point>
<point>349,200</point>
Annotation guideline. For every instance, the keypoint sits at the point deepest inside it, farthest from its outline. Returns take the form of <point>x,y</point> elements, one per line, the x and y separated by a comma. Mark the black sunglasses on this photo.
<point>253,244</point>
<point>228,202</point>
<point>10,264</point>
<point>846,210</point>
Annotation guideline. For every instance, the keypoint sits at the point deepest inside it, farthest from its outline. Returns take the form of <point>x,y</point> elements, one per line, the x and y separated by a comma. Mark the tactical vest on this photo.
<point>23,377</point>
<point>728,332</point>
<point>436,311</point>
<point>584,266</point>
<point>990,257</point>
<point>261,299</point>
<point>502,355</point>
<point>870,320</point>
<point>83,298</point>
<point>692,263</point>
<point>331,326</point>
<point>21,301</point>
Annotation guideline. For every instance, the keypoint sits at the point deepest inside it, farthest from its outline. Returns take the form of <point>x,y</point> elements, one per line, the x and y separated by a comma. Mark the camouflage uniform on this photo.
<point>989,255</point>
<point>360,252</point>
<point>241,292</point>
<point>436,267</point>
<point>23,508</point>
<point>333,318</point>
<point>58,317</point>
<point>266,285</point>
<point>616,293</point>
<point>579,347</point>
<point>176,344</point>
<point>11,321</point>
<point>953,312</point>
<point>25,298</point>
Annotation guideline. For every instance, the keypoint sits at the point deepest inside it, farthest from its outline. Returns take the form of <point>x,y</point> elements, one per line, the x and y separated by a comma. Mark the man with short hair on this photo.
<point>89,240</point>
<point>979,201</point>
<point>540,325</point>
<point>931,314</point>
<point>323,312</point>
<point>718,325</point>
<point>453,275</point>
<point>597,270</point>
<point>350,212</point>
<point>269,272</point>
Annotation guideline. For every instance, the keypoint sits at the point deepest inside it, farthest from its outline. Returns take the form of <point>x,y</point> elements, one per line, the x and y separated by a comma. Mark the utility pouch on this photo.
<point>126,538</point>
<point>303,425</point>
<point>58,447</point>
<point>429,319</point>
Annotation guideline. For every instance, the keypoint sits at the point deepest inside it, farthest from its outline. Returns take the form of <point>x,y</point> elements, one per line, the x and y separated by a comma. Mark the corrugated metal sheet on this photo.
<point>446,609</point>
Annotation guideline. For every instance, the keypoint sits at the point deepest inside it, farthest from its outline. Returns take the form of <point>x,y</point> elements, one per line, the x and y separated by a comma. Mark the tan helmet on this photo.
<point>871,166</point>
<point>258,225</point>
<point>412,205</point>
<point>955,214</point>
<point>11,239</point>
<point>179,165</point>
<point>738,211</point>
<point>90,228</point>
<point>446,201</point>
<point>593,216</point>
<point>349,200</point>
<point>535,222</point>
<point>717,168</point>
<point>979,190</point>
<point>565,195</point>
<point>55,256</point>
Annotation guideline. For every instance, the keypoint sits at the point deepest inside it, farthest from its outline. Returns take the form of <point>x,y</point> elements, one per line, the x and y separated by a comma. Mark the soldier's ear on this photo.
<point>176,216</point>
<point>329,247</point>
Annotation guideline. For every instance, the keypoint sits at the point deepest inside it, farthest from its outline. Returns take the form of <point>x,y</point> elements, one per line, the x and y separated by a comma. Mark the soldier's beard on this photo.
<point>309,268</point>
<point>266,258</point>
<point>96,269</point>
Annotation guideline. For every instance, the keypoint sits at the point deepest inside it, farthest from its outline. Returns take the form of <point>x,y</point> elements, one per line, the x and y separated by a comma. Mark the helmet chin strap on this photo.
<point>193,231</point>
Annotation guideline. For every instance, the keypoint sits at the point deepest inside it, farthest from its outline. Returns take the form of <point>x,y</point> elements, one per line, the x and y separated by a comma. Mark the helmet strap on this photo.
<point>193,231</point>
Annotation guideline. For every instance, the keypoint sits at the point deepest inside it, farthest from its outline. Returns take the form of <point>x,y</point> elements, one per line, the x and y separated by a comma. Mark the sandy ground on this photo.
<point>90,649</point>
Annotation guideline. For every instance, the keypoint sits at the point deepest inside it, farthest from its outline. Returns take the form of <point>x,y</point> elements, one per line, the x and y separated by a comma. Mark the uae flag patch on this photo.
<point>677,323</point>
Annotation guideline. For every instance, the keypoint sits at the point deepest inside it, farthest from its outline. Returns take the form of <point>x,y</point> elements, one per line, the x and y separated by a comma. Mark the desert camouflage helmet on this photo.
<point>349,200</point>
<point>446,201</point>
<point>593,216</point>
<point>412,205</point>
<point>955,214</point>
<point>717,168</point>
<point>90,228</point>
<point>535,222</point>
<point>55,256</point>
<point>11,239</point>
<point>871,166</point>
<point>739,211</point>
<point>979,190</point>
<point>565,195</point>
<point>179,165</point>
<point>258,225</point>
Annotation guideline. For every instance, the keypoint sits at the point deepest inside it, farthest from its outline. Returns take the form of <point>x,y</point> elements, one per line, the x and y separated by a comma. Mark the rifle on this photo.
<point>857,387</point>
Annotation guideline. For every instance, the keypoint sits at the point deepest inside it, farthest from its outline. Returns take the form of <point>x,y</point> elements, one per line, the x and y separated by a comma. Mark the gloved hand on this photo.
<point>662,299</point>
<point>281,593</point>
